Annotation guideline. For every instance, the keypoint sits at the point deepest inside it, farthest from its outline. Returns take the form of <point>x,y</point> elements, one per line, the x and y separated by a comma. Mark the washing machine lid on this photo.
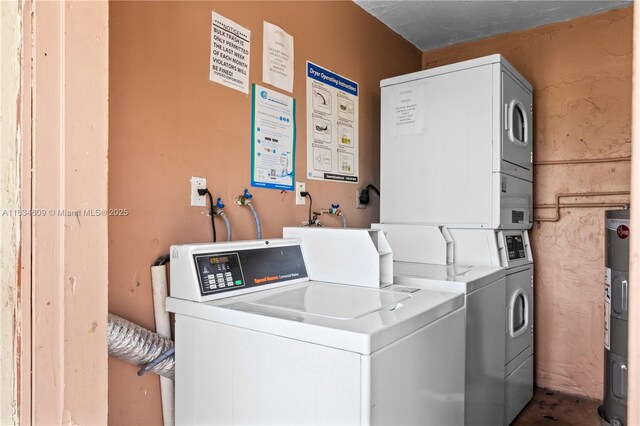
<point>352,318</point>
<point>466,278</point>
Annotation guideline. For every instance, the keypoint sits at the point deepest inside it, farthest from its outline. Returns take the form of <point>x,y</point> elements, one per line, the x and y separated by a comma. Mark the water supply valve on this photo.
<point>245,198</point>
<point>219,207</point>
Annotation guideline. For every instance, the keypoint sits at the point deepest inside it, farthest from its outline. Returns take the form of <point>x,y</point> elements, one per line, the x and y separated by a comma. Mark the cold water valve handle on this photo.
<point>219,203</point>
<point>334,208</point>
<point>247,194</point>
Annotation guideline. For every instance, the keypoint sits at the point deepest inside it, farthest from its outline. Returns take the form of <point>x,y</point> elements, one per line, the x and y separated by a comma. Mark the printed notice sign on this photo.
<point>273,139</point>
<point>230,52</point>
<point>332,126</point>
<point>277,57</point>
<point>406,111</point>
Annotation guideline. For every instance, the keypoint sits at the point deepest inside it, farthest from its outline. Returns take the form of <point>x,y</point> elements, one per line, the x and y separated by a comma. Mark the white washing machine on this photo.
<point>258,342</point>
<point>511,250</point>
<point>484,289</point>
<point>456,146</point>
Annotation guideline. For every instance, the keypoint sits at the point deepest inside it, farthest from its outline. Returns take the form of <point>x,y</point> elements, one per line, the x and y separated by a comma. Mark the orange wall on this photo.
<point>169,122</point>
<point>581,75</point>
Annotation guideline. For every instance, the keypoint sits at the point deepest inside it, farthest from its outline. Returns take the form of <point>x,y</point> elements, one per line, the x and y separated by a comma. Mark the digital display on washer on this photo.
<point>222,272</point>
<point>515,247</point>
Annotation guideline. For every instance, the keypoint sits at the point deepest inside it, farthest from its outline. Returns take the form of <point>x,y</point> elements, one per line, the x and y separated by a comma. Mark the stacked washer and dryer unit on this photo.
<point>456,189</point>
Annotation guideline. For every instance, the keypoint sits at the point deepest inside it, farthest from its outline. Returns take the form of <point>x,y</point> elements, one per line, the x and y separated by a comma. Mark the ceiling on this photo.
<point>432,24</point>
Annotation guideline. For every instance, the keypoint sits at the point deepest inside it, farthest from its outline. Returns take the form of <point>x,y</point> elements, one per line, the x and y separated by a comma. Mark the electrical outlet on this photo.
<point>300,200</point>
<point>359,205</point>
<point>197,199</point>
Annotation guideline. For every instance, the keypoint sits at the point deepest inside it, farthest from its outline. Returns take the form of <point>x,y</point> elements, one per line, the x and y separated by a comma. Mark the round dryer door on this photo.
<point>518,124</point>
<point>519,313</point>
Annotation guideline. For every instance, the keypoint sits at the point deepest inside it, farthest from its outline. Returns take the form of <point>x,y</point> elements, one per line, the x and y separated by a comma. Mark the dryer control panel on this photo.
<point>515,247</point>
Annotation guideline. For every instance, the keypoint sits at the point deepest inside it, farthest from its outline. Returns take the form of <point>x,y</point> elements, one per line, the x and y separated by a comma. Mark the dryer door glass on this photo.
<point>518,128</point>
<point>519,314</point>
<point>519,308</point>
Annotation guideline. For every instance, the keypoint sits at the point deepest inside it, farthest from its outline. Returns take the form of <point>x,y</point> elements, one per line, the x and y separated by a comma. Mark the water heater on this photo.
<point>616,317</point>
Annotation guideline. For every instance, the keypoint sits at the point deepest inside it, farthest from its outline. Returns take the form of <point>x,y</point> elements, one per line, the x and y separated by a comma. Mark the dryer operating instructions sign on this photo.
<point>332,126</point>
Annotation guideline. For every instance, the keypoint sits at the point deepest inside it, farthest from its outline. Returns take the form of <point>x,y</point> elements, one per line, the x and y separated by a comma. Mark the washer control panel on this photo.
<point>234,270</point>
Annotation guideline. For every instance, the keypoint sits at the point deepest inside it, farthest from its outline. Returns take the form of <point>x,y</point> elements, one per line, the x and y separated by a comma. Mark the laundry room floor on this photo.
<point>554,408</point>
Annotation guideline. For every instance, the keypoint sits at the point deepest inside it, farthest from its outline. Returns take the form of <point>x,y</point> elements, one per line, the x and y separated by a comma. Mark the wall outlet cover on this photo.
<point>300,200</point>
<point>197,199</point>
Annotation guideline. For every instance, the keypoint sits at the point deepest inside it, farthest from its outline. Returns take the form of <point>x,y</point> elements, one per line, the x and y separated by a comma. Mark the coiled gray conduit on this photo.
<point>136,345</point>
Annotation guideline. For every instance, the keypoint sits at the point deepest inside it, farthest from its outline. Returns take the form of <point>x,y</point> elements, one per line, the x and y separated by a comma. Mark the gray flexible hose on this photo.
<point>138,346</point>
<point>255,216</point>
<point>227,224</point>
<point>344,220</point>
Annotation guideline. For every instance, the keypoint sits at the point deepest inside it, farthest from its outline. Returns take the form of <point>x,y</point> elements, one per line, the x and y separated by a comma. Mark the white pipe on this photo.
<point>163,328</point>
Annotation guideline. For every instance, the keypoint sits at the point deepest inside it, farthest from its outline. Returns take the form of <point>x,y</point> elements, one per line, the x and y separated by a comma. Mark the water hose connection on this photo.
<point>246,200</point>
<point>218,210</point>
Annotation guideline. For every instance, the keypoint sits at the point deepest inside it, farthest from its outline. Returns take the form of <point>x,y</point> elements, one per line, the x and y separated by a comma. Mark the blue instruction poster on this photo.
<point>332,126</point>
<point>273,139</point>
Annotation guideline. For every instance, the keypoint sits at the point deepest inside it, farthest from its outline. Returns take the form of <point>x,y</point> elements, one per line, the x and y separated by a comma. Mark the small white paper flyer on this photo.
<point>230,53</point>
<point>273,139</point>
<point>277,57</point>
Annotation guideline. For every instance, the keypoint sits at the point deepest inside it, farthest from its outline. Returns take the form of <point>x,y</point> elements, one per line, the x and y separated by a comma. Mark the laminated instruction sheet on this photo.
<point>273,139</point>
<point>332,126</point>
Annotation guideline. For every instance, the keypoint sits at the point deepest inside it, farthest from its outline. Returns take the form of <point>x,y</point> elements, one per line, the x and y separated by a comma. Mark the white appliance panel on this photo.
<point>227,375</point>
<point>516,202</point>
<point>485,338</point>
<point>230,375</point>
<point>444,133</point>
<point>309,352</point>
<point>437,396</point>
<point>441,173</point>
<point>518,390</point>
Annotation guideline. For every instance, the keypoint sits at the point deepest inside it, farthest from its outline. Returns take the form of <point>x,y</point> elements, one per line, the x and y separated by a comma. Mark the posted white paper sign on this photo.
<point>406,110</point>
<point>273,139</point>
<point>230,53</point>
<point>332,126</point>
<point>277,57</point>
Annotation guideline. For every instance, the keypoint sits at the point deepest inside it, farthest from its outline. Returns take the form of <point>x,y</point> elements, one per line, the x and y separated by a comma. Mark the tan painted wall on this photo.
<point>169,122</point>
<point>581,74</point>
<point>64,270</point>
